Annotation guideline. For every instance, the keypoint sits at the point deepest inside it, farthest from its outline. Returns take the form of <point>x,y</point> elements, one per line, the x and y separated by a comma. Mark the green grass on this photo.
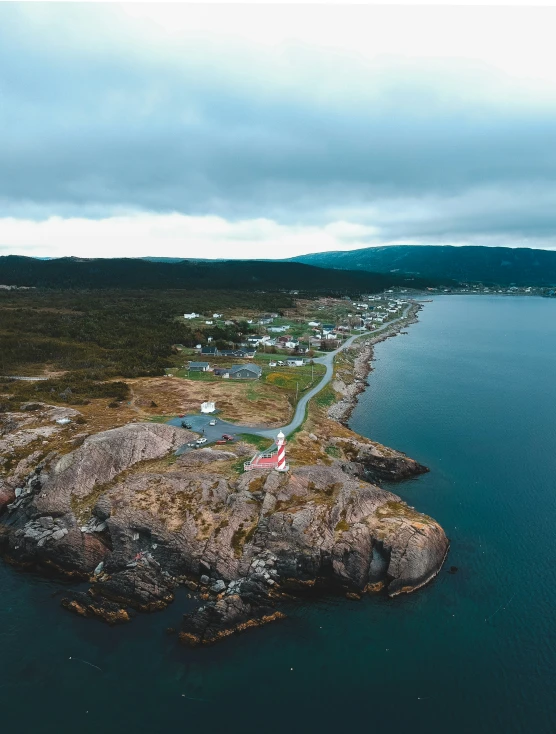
<point>325,398</point>
<point>159,418</point>
<point>260,442</point>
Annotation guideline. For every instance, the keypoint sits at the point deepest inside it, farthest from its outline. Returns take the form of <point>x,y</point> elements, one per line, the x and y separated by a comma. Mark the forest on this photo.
<point>98,338</point>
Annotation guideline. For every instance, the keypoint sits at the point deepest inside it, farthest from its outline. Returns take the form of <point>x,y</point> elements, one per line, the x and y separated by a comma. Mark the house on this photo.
<point>266,318</point>
<point>210,351</point>
<point>314,323</point>
<point>291,344</point>
<point>292,362</point>
<point>191,315</point>
<point>327,329</point>
<point>227,353</point>
<point>278,329</point>
<point>221,371</point>
<point>199,367</point>
<point>216,315</point>
<point>208,407</point>
<point>209,322</point>
<point>245,372</point>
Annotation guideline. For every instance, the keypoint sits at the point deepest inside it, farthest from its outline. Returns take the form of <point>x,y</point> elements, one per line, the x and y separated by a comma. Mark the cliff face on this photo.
<point>122,510</point>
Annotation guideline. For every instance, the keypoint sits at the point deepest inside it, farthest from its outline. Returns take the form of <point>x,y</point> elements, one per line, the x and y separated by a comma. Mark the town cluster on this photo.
<point>290,342</point>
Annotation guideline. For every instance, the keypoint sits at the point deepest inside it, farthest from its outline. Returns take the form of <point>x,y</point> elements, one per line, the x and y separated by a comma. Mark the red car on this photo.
<point>221,441</point>
<point>227,437</point>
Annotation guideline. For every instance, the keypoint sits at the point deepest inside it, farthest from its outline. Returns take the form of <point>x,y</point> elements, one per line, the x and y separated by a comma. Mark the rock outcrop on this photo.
<point>123,511</point>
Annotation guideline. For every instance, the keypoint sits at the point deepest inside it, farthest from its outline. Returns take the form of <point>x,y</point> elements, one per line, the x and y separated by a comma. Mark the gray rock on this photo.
<point>218,586</point>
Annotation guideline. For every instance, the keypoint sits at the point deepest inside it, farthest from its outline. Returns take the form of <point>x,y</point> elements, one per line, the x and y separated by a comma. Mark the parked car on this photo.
<point>192,444</point>
<point>227,437</point>
<point>221,441</point>
<point>201,440</point>
<point>212,422</point>
<point>185,425</point>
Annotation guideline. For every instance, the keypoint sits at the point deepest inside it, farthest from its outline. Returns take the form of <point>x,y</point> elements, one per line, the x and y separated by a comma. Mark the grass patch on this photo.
<point>159,418</point>
<point>260,442</point>
<point>325,398</point>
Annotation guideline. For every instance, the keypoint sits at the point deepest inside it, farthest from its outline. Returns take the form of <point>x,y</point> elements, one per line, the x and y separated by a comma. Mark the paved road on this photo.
<point>212,433</point>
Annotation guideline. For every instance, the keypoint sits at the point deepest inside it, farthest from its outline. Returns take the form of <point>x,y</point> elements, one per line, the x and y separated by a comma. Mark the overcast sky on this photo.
<point>273,131</point>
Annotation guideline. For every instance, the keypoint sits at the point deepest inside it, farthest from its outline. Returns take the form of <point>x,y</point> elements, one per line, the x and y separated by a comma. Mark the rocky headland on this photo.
<point>120,509</point>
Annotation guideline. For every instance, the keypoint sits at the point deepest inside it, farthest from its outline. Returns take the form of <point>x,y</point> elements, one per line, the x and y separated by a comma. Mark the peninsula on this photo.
<point>120,500</point>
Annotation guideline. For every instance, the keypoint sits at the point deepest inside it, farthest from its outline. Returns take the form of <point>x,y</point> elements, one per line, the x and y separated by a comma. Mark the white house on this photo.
<point>209,322</point>
<point>191,315</point>
<point>314,323</point>
<point>216,315</point>
<point>295,362</point>
<point>208,407</point>
<point>291,345</point>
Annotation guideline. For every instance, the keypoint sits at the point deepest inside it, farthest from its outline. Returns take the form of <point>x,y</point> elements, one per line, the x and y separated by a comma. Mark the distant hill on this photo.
<point>194,275</point>
<point>489,265</point>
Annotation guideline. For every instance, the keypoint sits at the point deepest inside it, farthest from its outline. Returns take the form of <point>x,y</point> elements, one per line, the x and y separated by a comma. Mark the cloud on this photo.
<point>318,127</point>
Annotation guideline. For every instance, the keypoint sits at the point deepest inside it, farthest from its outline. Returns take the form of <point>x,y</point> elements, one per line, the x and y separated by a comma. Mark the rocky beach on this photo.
<point>120,510</point>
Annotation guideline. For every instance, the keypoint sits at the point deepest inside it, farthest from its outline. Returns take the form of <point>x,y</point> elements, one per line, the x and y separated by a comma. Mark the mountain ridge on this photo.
<point>469,263</point>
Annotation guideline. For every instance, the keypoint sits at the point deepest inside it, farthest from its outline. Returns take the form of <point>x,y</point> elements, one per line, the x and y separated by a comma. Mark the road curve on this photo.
<point>213,433</point>
<point>328,361</point>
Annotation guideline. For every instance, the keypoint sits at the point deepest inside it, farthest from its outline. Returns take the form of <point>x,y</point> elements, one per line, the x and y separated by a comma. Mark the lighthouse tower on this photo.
<point>281,457</point>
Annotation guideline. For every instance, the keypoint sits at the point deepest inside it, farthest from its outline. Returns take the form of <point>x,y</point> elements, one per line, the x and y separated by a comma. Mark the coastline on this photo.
<point>125,512</point>
<point>363,350</point>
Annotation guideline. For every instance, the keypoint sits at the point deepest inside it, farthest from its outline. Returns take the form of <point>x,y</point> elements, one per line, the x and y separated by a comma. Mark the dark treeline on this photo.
<point>113,333</point>
<point>236,275</point>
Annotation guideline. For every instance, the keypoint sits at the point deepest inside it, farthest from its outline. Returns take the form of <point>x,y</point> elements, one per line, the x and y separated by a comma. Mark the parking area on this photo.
<point>201,424</point>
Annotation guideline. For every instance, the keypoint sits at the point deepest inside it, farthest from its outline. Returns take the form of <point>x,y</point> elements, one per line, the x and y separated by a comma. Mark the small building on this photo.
<point>221,371</point>
<point>199,366</point>
<point>210,351</point>
<point>245,372</point>
<point>208,407</point>
<point>292,362</point>
<point>191,315</point>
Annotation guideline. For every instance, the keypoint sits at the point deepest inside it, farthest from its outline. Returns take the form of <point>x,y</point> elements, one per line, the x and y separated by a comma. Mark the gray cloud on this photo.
<point>420,150</point>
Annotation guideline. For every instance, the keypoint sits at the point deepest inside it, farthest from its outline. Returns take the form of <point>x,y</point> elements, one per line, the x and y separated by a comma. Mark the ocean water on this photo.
<point>471,392</point>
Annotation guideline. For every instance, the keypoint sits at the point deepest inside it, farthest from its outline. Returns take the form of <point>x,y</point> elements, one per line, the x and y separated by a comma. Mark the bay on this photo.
<point>470,391</point>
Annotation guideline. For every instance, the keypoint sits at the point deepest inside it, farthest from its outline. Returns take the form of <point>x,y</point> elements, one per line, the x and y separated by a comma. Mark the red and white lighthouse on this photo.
<point>270,459</point>
<point>281,458</point>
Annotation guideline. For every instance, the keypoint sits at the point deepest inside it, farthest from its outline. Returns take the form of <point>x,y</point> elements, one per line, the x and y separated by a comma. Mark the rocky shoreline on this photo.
<point>364,350</point>
<point>121,510</point>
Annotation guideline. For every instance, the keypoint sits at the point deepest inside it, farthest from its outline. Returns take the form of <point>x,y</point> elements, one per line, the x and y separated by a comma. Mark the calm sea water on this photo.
<point>471,392</point>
